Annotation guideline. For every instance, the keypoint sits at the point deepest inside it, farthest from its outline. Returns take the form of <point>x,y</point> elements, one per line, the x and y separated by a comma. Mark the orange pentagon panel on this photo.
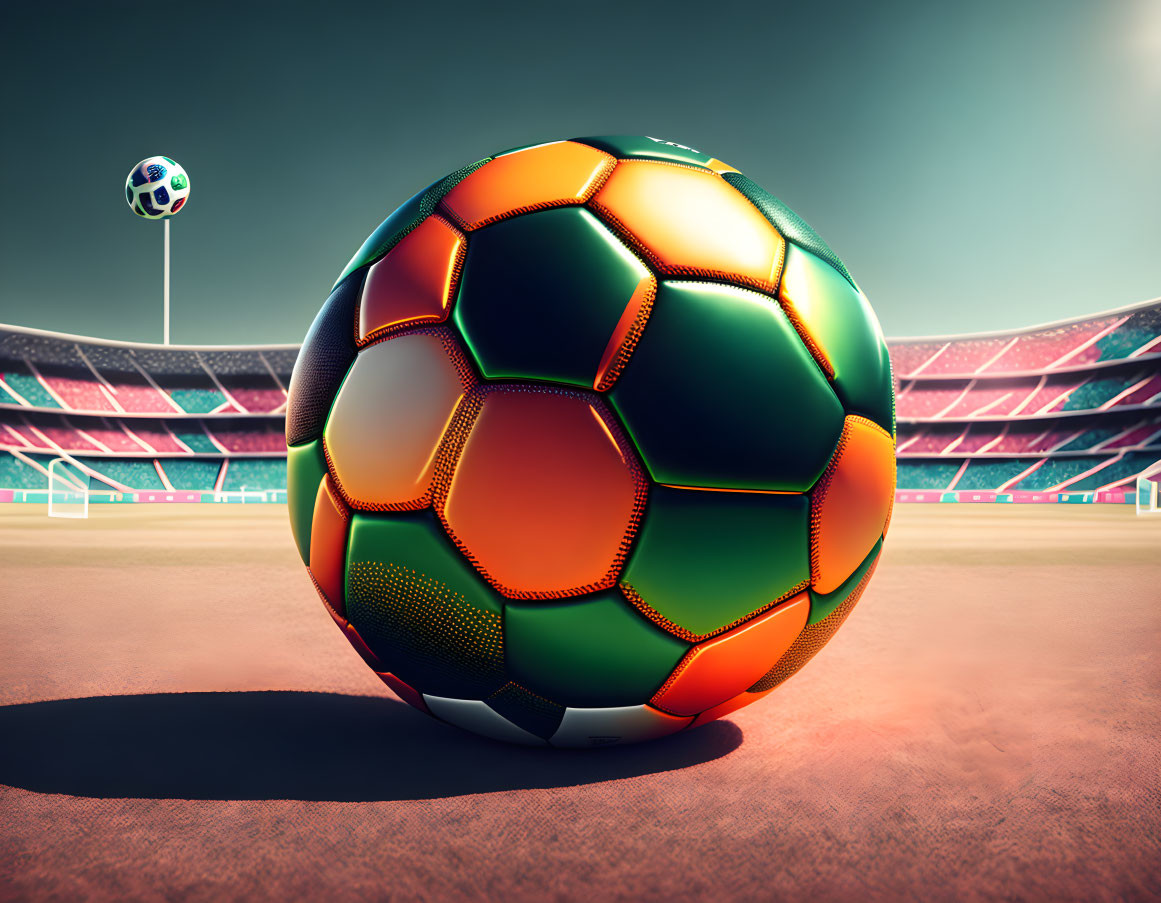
<point>389,417</point>
<point>546,493</point>
<point>328,543</point>
<point>414,283</point>
<point>548,175</point>
<point>690,222</point>
<point>719,669</point>
<point>850,503</point>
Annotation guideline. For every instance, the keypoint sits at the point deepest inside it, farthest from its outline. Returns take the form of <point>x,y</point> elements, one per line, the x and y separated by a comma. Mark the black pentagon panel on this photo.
<point>642,147</point>
<point>526,710</point>
<point>542,294</point>
<point>793,227</point>
<point>840,322</point>
<point>420,607</point>
<point>327,353</point>
<point>722,393</point>
<point>406,217</point>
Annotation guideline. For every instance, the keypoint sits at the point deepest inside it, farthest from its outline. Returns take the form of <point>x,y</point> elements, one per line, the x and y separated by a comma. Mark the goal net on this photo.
<point>1149,491</point>
<point>68,489</point>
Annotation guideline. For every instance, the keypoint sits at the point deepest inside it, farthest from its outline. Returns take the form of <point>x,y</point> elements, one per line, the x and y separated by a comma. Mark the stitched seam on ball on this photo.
<point>818,497</point>
<point>629,342</point>
<point>812,638</point>
<point>677,630</point>
<point>595,185</point>
<point>640,493</point>
<point>426,321</point>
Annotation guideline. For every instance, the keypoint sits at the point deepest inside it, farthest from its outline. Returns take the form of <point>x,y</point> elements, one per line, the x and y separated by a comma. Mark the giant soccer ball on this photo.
<point>156,188</point>
<point>592,442</point>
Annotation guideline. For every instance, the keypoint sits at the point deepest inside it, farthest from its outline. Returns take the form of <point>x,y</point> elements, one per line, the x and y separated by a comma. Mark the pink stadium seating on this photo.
<point>1139,436</point>
<point>112,437</point>
<point>250,440</point>
<point>78,393</point>
<point>907,356</point>
<point>135,395</point>
<point>926,399</point>
<point>1144,394</point>
<point>1038,350</point>
<point>155,435</point>
<point>68,438</point>
<point>933,439</point>
<point>965,357</point>
<point>984,397</point>
<point>255,394</point>
<point>979,435</point>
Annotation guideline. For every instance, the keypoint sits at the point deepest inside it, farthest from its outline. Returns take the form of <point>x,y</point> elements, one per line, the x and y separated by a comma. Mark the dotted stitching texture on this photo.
<point>323,362</point>
<point>665,624</point>
<point>394,329</point>
<point>442,463</point>
<point>446,471</point>
<point>527,710</point>
<point>811,640</point>
<point>818,493</point>
<point>608,376</point>
<point>807,339</point>
<point>630,237</point>
<point>428,620</point>
<point>594,185</point>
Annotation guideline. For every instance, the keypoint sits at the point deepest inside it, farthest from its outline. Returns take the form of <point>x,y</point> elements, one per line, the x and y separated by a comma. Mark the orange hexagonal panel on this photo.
<point>545,494</point>
<point>690,222</point>
<point>328,543</point>
<point>414,283</point>
<point>850,503</point>
<point>549,175</point>
<point>388,420</point>
<point>719,669</point>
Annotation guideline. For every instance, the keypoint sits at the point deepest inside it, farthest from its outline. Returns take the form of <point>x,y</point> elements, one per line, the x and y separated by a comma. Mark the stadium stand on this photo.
<point>142,419</point>
<point>1048,411</point>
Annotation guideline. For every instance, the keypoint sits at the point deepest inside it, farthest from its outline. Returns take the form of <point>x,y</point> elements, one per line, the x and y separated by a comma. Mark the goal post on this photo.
<point>68,489</point>
<point>1149,491</point>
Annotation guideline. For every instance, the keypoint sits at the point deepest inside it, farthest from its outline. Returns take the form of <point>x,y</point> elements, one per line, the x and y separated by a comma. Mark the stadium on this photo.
<point>1065,412</point>
<point>586,539</point>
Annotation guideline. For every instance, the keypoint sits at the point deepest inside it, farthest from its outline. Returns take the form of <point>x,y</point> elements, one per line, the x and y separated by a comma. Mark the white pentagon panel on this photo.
<point>477,717</point>
<point>624,724</point>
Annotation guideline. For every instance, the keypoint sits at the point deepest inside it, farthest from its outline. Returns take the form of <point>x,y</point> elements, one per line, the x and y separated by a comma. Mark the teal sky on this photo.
<point>982,166</point>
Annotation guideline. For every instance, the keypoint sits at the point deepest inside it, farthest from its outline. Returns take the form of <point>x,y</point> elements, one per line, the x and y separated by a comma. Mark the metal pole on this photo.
<point>166,281</point>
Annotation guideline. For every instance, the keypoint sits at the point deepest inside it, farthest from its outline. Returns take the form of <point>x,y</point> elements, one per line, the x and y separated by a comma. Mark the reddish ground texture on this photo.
<point>181,720</point>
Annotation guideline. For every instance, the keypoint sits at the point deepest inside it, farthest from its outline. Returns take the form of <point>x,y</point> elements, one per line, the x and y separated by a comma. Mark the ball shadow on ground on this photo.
<point>297,745</point>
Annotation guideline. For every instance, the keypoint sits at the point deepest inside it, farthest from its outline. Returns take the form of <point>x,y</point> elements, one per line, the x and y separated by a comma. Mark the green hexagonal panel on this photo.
<point>842,324</point>
<point>705,559</point>
<point>405,218</point>
<point>305,467</point>
<point>593,652</point>
<point>541,295</point>
<point>721,393</point>
<point>822,604</point>
<point>643,147</point>
<point>422,609</point>
<point>792,226</point>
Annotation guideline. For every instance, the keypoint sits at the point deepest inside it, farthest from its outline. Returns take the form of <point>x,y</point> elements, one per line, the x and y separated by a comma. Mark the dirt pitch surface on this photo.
<point>182,721</point>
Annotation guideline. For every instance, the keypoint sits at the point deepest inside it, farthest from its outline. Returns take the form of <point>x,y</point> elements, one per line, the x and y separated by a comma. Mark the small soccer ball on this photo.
<point>156,188</point>
<point>592,442</point>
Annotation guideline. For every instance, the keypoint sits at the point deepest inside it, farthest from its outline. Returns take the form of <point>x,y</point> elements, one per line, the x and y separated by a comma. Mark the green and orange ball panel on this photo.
<point>592,442</point>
